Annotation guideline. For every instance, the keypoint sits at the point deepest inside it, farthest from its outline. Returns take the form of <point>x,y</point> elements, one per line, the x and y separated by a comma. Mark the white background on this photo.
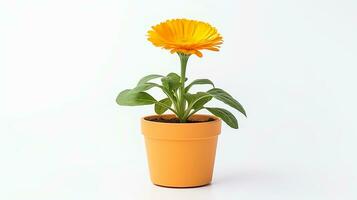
<point>292,64</point>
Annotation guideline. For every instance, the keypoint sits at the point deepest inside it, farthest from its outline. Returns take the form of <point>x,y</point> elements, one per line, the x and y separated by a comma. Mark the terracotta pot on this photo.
<point>181,154</point>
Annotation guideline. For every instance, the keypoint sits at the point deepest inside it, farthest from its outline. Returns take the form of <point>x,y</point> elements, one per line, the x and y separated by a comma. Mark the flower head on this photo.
<point>185,36</point>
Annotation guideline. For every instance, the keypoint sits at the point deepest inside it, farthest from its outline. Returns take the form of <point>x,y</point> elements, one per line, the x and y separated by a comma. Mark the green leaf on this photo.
<point>199,82</point>
<point>166,83</point>
<point>198,100</point>
<point>226,98</point>
<point>128,98</point>
<point>225,115</point>
<point>147,78</point>
<point>200,103</point>
<point>145,86</point>
<point>171,81</point>
<point>159,109</point>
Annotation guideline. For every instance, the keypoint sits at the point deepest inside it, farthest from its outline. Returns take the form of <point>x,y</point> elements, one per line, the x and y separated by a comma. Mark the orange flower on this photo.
<point>185,36</point>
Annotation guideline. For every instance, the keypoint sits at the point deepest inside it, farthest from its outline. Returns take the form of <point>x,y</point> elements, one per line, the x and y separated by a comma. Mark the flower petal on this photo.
<point>186,36</point>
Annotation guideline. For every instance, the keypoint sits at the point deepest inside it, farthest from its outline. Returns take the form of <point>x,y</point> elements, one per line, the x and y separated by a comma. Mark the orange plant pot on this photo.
<point>181,154</point>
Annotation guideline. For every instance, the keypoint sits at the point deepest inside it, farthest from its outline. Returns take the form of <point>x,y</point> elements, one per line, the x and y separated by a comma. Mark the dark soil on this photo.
<point>176,120</point>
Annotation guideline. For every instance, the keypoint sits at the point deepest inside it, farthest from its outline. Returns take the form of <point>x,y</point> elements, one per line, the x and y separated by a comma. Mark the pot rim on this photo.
<point>181,131</point>
<point>216,119</point>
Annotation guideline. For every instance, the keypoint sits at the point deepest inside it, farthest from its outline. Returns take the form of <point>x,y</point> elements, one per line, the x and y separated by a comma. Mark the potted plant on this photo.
<point>181,146</point>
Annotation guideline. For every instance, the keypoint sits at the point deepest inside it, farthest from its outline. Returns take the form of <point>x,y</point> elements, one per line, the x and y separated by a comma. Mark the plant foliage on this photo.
<point>179,100</point>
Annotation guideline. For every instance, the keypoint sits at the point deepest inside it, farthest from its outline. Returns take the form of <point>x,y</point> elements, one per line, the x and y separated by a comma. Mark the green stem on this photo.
<point>189,107</point>
<point>193,112</point>
<point>181,97</point>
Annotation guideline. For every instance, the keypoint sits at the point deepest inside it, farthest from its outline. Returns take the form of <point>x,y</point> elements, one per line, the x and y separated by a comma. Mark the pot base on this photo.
<point>183,187</point>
